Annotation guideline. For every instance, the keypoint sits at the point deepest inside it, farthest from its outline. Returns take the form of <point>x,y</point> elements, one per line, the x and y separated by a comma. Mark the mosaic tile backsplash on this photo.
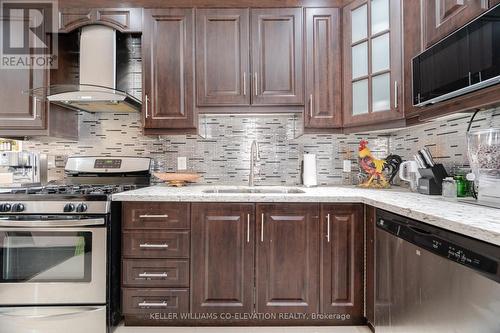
<point>221,152</point>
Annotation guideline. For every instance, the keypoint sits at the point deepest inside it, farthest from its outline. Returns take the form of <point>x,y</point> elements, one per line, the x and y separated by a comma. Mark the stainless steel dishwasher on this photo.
<point>429,280</point>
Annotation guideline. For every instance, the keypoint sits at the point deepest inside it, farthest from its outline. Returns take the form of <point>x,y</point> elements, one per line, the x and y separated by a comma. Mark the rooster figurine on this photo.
<point>375,168</point>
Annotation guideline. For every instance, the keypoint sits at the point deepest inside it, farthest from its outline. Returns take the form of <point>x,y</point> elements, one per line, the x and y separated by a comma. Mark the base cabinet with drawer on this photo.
<point>189,264</point>
<point>155,252</point>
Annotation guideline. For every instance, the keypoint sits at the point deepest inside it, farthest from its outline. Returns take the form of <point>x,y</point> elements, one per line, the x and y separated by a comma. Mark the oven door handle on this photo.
<point>52,224</point>
<point>55,315</point>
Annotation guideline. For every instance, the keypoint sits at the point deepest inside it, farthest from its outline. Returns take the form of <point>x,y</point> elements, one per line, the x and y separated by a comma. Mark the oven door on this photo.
<point>60,261</point>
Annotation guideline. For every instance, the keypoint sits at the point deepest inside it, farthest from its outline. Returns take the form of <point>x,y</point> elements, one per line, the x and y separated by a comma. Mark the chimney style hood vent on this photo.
<point>97,89</point>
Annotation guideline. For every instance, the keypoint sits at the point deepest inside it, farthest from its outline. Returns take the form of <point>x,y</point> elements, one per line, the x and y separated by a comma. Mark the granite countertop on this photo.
<point>474,221</point>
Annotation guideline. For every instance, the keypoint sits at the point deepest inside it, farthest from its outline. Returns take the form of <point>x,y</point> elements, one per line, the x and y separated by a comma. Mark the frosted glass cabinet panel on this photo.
<point>379,16</point>
<point>360,60</point>
<point>381,54</point>
<point>372,62</point>
<point>360,23</point>
<point>360,97</point>
<point>381,92</point>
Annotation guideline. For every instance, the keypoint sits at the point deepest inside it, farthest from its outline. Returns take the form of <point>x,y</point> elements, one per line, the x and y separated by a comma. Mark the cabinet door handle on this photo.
<point>153,246</point>
<point>311,106</point>
<point>146,106</point>
<point>248,228</point>
<point>244,83</point>
<point>158,305</point>
<point>151,275</point>
<point>145,216</point>
<point>262,227</point>
<point>395,94</point>
<point>256,84</point>
<point>35,113</point>
<point>328,228</point>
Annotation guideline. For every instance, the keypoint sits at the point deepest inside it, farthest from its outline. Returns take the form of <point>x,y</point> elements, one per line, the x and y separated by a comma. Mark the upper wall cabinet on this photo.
<point>168,70</point>
<point>443,17</point>
<point>222,57</point>
<point>277,60</point>
<point>372,62</point>
<point>323,68</point>
<point>122,19</point>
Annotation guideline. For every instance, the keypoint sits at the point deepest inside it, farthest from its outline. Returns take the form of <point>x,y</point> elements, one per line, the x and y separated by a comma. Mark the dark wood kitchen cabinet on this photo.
<point>168,71</point>
<point>372,63</point>
<point>323,68</point>
<point>277,56</point>
<point>287,258</point>
<point>370,225</point>
<point>442,17</point>
<point>222,57</point>
<point>23,115</point>
<point>223,238</point>
<point>342,247</point>
<point>156,243</point>
<point>122,19</point>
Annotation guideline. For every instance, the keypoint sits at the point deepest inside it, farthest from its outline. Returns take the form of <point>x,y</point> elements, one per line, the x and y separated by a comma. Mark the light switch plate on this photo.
<point>181,163</point>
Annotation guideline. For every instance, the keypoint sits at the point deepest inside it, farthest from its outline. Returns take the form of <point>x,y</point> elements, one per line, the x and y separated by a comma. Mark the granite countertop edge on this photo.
<point>474,221</point>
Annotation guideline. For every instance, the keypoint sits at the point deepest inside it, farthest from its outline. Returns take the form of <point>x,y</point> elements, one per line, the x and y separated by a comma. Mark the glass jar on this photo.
<point>449,188</point>
<point>462,185</point>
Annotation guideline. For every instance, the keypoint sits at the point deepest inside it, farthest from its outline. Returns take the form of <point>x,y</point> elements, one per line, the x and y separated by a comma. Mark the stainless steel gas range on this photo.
<point>60,248</point>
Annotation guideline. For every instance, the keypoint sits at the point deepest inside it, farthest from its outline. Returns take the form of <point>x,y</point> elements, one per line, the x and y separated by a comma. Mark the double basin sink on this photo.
<point>255,190</point>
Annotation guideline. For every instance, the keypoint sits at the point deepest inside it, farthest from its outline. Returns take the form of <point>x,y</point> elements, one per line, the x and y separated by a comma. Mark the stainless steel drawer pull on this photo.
<point>262,227</point>
<point>147,216</point>
<point>153,246</point>
<point>153,275</point>
<point>328,228</point>
<point>158,305</point>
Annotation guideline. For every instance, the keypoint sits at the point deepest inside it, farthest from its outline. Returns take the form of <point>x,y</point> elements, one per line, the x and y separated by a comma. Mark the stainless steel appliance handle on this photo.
<point>153,216</point>
<point>52,224</point>
<point>153,246</point>
<point>262,227</point>
<point>162,304</point>
<point>157,275</point>
<point>248,228</point>
<point>328,228</point>
<point>57,315</point>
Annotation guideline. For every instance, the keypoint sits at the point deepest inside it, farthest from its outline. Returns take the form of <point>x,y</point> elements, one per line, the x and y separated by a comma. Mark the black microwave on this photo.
<point>465,61</point>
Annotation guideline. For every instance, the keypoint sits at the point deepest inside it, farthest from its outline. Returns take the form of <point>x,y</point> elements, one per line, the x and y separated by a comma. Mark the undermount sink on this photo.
<point>256,190</point>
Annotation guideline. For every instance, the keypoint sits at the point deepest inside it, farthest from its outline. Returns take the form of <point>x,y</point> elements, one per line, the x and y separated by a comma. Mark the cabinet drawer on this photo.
<point>156,244</point>
<point>141,303</point>
<point>155,273</point>
<point>142,215</point>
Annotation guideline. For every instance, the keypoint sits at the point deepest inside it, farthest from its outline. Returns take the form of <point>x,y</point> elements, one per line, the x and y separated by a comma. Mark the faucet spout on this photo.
<point>254,156</point>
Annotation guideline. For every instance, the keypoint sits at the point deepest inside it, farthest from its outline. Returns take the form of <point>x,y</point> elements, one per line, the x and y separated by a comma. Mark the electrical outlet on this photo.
<point>181,163</point>
<point>51,161</point>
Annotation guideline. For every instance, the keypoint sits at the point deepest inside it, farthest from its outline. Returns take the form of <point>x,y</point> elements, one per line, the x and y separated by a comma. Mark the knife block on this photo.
<point>432,179</point>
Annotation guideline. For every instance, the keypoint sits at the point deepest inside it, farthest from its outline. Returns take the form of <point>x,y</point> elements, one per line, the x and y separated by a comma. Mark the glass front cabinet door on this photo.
<point>372,62</point>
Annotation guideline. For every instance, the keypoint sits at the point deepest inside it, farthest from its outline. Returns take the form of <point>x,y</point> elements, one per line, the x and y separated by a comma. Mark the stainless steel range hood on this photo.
<point>97,89</point>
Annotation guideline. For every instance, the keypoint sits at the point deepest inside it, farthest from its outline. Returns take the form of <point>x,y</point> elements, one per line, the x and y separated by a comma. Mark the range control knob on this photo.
<point>69,208</point>
<point>81,208</point>
<point>18,207</point>
<point>5,208</point>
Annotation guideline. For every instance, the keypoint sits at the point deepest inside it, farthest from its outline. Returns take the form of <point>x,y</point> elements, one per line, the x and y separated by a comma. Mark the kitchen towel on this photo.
<point>309,171</point>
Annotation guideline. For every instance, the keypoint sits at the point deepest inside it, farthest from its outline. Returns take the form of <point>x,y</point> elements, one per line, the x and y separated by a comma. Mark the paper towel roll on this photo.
<point>309,172</point>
